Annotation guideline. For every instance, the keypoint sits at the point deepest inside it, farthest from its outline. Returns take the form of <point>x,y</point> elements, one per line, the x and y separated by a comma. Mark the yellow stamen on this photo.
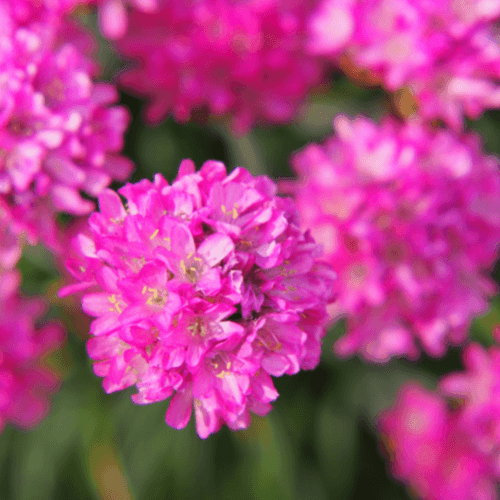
<point>154,234</point>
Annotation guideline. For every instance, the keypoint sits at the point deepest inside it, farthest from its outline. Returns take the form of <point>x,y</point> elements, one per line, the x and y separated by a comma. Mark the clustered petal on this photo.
<point>202,290</point>
<point>409,217</point>
<point>447,444</point>
<point>59,136</point>
<point>243,58</point>
<point>444,55</point>
<point>25,384</point>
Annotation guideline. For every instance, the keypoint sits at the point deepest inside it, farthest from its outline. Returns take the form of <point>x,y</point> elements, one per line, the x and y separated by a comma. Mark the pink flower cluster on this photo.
<point>445,53</point>
<point>243,58</point>
<point>409,217</point>
<point>203,288</point>
<point>24,383</point>
<point>441,452</point>
<point>58,134</point>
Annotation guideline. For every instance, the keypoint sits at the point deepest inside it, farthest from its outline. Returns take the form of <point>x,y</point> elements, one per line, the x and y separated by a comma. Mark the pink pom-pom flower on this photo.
<point>431,452</point>
<point>201,291</point>
<point>444,55</point>
<point>409,217</point>
<point>59,134</point>
<point>25,384</point>
<point>246,59</point>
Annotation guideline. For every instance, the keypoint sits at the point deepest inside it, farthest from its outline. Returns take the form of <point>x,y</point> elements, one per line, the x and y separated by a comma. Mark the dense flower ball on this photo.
<point>444,54</point>
<point>205,288</point>
<point>24,383</point>
<point>58,134</point>
<point>431,452</point>
<point>242,58</point>
<point>409,217</point>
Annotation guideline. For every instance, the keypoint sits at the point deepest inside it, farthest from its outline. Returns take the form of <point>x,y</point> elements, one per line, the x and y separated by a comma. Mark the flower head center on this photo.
<point>232,212</point>
<point>193,268</point>
<point>197,328</point>
<point>156,297</point>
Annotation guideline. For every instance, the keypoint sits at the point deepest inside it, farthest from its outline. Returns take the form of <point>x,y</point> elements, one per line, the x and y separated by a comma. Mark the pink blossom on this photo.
<point>409,217</point>
<point>59,134</point>
<point>430,452</point>
<point>25,383</point>
<point>445,55</point>
<point>201,290</point>
<point>242,58</point>
<point>478,391</point>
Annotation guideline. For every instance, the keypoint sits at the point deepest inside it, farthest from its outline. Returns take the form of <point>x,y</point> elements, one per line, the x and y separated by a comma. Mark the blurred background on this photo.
<point>319,442</point>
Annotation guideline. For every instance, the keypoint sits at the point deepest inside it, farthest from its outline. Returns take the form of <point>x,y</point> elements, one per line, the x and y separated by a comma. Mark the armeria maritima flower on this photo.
<point>443,56</point>
<point>246,59</point>
<point>432,452</point>
<point>477,390</point>
<point>202,290</point>
<point>409,217</point>
<point>25,384</point>
<point>59,136</point>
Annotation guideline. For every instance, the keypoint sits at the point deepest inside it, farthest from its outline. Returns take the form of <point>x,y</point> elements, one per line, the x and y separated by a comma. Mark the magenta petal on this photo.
<point>210,282</point>
<point>207,420</point>
<point>97,304</point>
<point>112,19</point>
<point>75,288</point>
<point>194,354</point>
<point>104,324</point>
<point>111,205</point>
<point>275,364</point>
<point>215,248</point>
<point>180,409</point>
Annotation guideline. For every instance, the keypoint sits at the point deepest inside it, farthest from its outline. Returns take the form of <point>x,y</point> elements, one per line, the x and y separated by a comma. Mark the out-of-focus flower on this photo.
<point>409,217</point>
<point>206,288</point>
<point>59,136</point>
<point>444,54</point>
<point>431,452</point>
<point>478,391</point>
<point>112,15</point>
<point>24,383</point>
<point>246,59</point>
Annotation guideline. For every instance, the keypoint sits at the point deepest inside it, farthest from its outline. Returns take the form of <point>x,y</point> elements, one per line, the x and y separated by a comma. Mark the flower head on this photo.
<point>409,217</point>
<point>477,390</point>
<point>442,58</point>
<point>242,58</point>
<point>430,452</point>
<point>205,288</point>
<point>59,136</point>
<point>25,383</point>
